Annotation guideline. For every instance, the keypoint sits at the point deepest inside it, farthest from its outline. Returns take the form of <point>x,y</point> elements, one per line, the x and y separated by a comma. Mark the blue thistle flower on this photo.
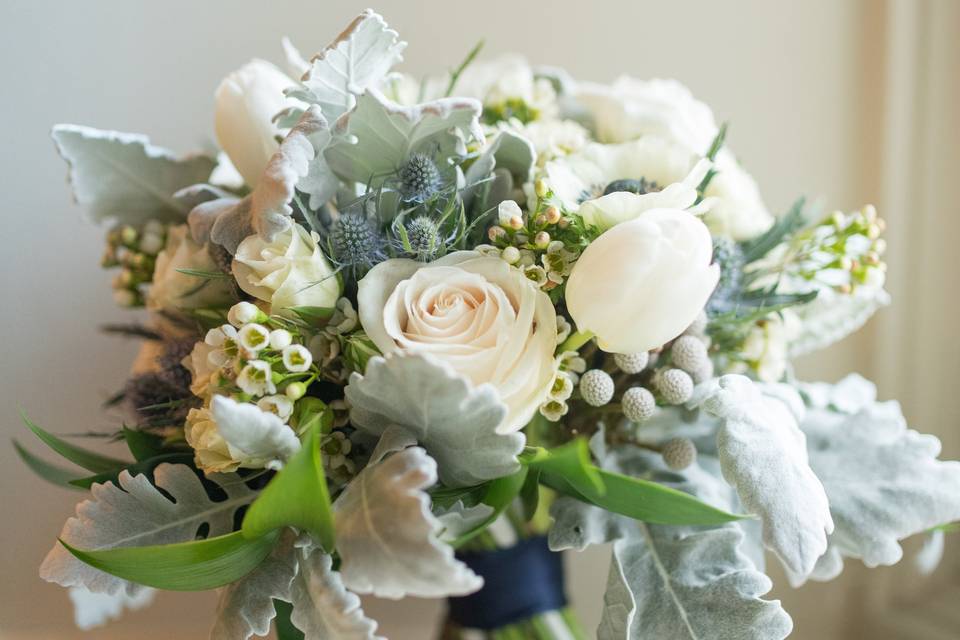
<point>729,256</point>
<point>355,242</point>
<point>420,178</point>
<point>638,187</point>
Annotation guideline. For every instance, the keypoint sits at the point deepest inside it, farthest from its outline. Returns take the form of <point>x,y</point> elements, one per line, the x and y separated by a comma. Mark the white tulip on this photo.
<point>477,314</point>
<point>246,102</point>
<point>641,283</point>
<point>289,271</point>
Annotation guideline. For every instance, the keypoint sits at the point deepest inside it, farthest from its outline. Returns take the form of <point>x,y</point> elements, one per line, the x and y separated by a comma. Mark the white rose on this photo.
<point>289,271</point>
<point>630,109</point>
<point>641,283</point>
<point>475,313</point>
<point>172,290</point>
<point>246,102</point>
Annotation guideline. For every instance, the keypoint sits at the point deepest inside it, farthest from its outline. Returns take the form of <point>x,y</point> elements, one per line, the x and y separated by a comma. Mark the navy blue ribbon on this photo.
<point>518,583</point>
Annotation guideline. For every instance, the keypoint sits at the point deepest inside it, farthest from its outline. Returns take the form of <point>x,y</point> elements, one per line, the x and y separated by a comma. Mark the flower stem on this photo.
<point>575,341</point>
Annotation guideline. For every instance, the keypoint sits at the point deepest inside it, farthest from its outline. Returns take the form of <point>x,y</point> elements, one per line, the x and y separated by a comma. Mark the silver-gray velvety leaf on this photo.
<point>510,152</point>
<point>137,514</point>
<point>687,584</point>
<point>672,582</point>
<point>458,518</point>
<point>266,210</point>
<point>375,140</point>
<point>323,609</point>
<point>122,177</point>
<point>246,606</point>
<point>453,420</point>
<point>763,455</point>
<point>832,316</point>
<point>358,59</point>
<point>97,609</point>
<point>884,482</point>
<point>387,536</point>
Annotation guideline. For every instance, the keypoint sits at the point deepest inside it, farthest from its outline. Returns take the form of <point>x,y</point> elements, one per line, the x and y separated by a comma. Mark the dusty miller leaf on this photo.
<point>453,420</point>
<point>323,609</point>
<point>246,606</point>
<point>357,60</point>
<point>884,482</point>
<point>832,316</point>
<point>387,536</point>
<point>375,140</point>
<point>763,455</point>
<point>122,177</point>
<point>667,581</point>
<point>137,514</point>
<point>266,210</point>
<point>97,609</point>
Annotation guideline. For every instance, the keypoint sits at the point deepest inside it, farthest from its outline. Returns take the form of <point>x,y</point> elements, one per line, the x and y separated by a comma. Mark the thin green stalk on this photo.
<point>575,341</point>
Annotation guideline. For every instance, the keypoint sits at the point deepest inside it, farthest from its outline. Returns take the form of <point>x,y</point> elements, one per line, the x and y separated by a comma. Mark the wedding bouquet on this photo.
<point>404,335</point>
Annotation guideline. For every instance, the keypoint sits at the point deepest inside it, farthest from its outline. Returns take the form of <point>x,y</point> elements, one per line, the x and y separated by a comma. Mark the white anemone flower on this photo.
<point>668,174</point>
<point>256,378</point>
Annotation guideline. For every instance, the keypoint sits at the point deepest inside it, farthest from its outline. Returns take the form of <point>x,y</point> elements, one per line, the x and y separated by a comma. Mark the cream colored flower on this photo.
<point>630,109</point>
<point>643,282</point>
<point>211,451</point>
<point>477,314</point>
<point>290,271</point>
<point>246,102</point>
<point>669,175</point>
<point>172,290</point>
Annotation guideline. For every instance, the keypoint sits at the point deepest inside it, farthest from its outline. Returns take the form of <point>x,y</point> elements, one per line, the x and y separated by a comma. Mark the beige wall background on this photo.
<point>850,100</point>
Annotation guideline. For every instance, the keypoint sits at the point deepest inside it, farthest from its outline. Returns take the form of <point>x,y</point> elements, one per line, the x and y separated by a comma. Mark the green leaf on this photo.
<point>143,466</point>
<point>530,494</point>
<point>784,226</point>
<point>142,444</point>
<point>49,472</point>
<point>297,496</point>
<point>456,73</point>
<point>500,494</point>
<point>81,457</point>
<point>197,565</point>
<point>570,462</point>
<point>568,469</point>
<point>282,625</point>
<point>312,413</point>
<point>207,275</point>
<point>313,316</point>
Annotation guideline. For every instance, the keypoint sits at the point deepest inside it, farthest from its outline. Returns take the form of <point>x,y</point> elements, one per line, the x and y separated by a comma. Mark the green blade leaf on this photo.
<point>49,472</point>
<point>202,273</point>
<point>500,494</point>
<point>197,565</point>
<point>570,461</point>
<point>297,496</point>
<point>143,445</point>
<point>144,466</point>
<point>81,457</point>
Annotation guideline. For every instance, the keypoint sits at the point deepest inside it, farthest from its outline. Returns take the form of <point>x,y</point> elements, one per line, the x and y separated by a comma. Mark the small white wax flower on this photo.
<point>256,378</point>
<point>223,339</point>
<point>280,339</point>
<point>596,387</point>
<point>254,337</point>
<point>563,329</point>
<point>507,211</point>
<point>297,358</point>
<point>282,406</point>
<point>562,387</point>
<point>242,313</point>
<point>553,410</point>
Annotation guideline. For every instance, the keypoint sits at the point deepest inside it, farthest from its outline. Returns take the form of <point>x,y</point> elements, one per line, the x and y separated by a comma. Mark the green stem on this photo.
<point>575,341</point>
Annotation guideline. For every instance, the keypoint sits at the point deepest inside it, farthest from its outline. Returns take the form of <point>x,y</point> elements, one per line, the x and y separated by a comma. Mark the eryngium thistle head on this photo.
<point>419,178</point>
<point>355,241</point>
<point>153,396</point>
<point>638,187</point>
<point>424,236</point>
<point>729,256</point>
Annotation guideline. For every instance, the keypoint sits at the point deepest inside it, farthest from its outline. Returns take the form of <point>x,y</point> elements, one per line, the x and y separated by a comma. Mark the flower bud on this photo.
<point>511,255</point>
<point>541,240</point>
<point>552,214</point>
<point>507,210</point>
